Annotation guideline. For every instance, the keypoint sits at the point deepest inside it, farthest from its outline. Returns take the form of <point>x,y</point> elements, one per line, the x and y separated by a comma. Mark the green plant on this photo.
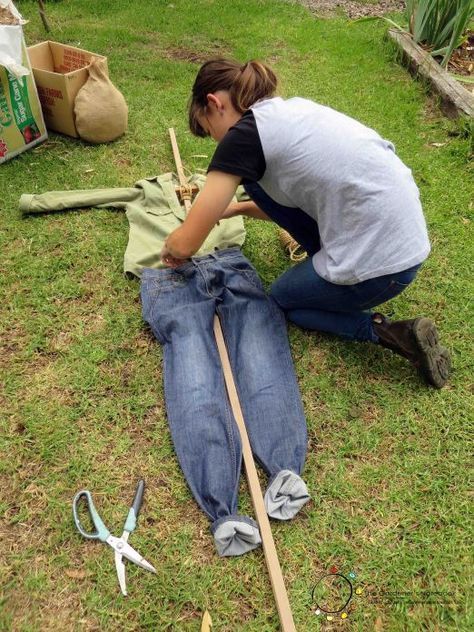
<point>440,24</point>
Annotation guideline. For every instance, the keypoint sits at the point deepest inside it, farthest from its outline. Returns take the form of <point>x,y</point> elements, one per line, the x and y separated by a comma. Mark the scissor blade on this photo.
<point>123,548</point>
<point>135,557</point>
<point>120,568</point>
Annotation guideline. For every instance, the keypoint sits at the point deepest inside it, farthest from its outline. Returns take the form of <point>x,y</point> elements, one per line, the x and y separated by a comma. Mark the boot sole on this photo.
<point>435,360</point>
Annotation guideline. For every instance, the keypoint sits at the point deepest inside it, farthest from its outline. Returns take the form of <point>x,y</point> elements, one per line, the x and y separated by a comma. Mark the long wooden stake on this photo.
<point>183,181</point>
<point>44,19</point>
<point>269,549</point>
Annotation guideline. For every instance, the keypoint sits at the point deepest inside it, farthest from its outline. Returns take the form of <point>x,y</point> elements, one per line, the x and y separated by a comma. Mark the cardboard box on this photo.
<point>60,72</point>
<point>21,120</point>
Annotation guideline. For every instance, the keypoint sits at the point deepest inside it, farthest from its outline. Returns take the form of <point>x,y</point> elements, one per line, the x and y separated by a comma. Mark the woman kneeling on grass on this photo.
<point>336,186</point>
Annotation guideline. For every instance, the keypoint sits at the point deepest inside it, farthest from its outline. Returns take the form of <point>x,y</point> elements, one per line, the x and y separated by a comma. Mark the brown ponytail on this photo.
<point>246,84</point>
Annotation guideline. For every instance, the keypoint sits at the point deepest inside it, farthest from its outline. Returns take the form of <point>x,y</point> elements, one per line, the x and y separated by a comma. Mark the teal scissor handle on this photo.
<point>101,532</point>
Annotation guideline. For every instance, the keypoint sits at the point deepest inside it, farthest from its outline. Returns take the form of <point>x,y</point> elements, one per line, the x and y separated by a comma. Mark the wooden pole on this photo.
<point>44,19</point>
<point>269,549</point>
<point>183,181</point>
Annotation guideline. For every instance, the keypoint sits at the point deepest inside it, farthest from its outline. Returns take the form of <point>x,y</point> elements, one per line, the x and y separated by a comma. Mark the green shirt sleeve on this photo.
<point>87,198</point>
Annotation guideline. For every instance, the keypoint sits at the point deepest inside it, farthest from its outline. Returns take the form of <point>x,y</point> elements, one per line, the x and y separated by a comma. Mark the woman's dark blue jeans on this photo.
<point>313,303</point>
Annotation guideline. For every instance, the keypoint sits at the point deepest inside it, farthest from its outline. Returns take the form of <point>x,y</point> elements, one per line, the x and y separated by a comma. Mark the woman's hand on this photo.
<point>206,211</point>
<point>169,259</point>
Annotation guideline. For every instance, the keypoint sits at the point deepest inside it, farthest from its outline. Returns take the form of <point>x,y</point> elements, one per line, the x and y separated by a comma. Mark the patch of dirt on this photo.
<point>11,343</point>
<point>122,162</point>
<point>194,56</point>
<point>460,64</point>
<point>462,59</point>
<point>185,54</point>
<point>351,8</point>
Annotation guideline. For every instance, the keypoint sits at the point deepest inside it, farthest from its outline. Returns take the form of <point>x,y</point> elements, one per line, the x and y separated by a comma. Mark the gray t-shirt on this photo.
<point>349,179</point>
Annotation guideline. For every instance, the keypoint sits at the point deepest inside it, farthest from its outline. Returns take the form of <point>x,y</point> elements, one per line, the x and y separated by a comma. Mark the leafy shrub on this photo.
<point>440,24</point>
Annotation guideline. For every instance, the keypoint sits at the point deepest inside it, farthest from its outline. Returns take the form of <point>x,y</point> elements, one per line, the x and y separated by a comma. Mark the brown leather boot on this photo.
<point>418,341</point>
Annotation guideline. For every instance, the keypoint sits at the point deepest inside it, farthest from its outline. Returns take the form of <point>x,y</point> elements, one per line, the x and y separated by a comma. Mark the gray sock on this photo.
<point>235,537</point>
<point>285,495</point>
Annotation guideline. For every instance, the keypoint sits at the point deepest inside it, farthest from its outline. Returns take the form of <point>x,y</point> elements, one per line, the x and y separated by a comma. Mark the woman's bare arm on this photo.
<point>208,208</point>
<point>250,209</point>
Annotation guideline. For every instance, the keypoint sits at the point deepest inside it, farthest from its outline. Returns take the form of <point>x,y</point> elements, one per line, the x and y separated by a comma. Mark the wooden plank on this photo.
<point>44,19</point>
<point>268,543</point>
<point>179,166</point>
<point>422,63</point>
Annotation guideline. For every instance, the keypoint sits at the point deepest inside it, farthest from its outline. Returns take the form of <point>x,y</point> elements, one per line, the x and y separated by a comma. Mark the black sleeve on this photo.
<point>240,151</point>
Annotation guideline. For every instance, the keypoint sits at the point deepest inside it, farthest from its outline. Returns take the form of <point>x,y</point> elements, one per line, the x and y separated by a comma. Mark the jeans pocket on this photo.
<point>248,272</point>
<point>157,285</point>
<point>153,288</point>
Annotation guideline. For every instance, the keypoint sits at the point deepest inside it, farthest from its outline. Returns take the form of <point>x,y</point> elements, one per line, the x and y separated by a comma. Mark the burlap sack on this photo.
<point>100,109</point>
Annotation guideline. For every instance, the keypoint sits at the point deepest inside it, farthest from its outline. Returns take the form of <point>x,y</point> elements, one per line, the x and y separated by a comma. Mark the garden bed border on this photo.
<point>457,98</point>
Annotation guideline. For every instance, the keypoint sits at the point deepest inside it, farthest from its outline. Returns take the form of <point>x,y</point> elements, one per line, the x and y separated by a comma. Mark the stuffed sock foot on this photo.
<point>285,495</point>
<point>235,535</point>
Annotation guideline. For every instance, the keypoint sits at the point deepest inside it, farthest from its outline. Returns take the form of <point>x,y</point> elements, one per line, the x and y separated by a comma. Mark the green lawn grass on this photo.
<point>82,400</point>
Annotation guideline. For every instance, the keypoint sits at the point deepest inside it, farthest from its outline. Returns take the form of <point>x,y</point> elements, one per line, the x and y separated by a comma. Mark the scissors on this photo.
<point>120,545</point>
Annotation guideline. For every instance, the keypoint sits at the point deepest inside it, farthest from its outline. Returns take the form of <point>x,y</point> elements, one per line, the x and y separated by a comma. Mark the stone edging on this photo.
<point>419,61</point>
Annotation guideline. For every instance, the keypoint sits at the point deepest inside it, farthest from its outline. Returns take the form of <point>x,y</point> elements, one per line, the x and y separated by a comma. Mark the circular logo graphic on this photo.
<point>332,593</point>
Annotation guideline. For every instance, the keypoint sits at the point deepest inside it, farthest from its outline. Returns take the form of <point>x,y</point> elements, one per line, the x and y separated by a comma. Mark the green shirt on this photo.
<point>153,211</point>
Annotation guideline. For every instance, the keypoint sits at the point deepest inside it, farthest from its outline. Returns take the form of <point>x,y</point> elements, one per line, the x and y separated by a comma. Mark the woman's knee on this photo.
<point>290,288</point>
<point>282,291</point>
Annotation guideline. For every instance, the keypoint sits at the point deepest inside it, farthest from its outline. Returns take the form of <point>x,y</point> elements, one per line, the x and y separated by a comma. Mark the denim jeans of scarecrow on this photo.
<point>179,305</point>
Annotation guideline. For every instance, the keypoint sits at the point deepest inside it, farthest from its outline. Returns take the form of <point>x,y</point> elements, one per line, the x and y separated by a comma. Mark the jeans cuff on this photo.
<point>285,495</point>
<point>25,202</point>
<point>235,535</point>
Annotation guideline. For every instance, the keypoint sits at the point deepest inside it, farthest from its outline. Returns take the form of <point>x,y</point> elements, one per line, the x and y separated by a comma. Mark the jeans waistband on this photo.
<point>226,254</point>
